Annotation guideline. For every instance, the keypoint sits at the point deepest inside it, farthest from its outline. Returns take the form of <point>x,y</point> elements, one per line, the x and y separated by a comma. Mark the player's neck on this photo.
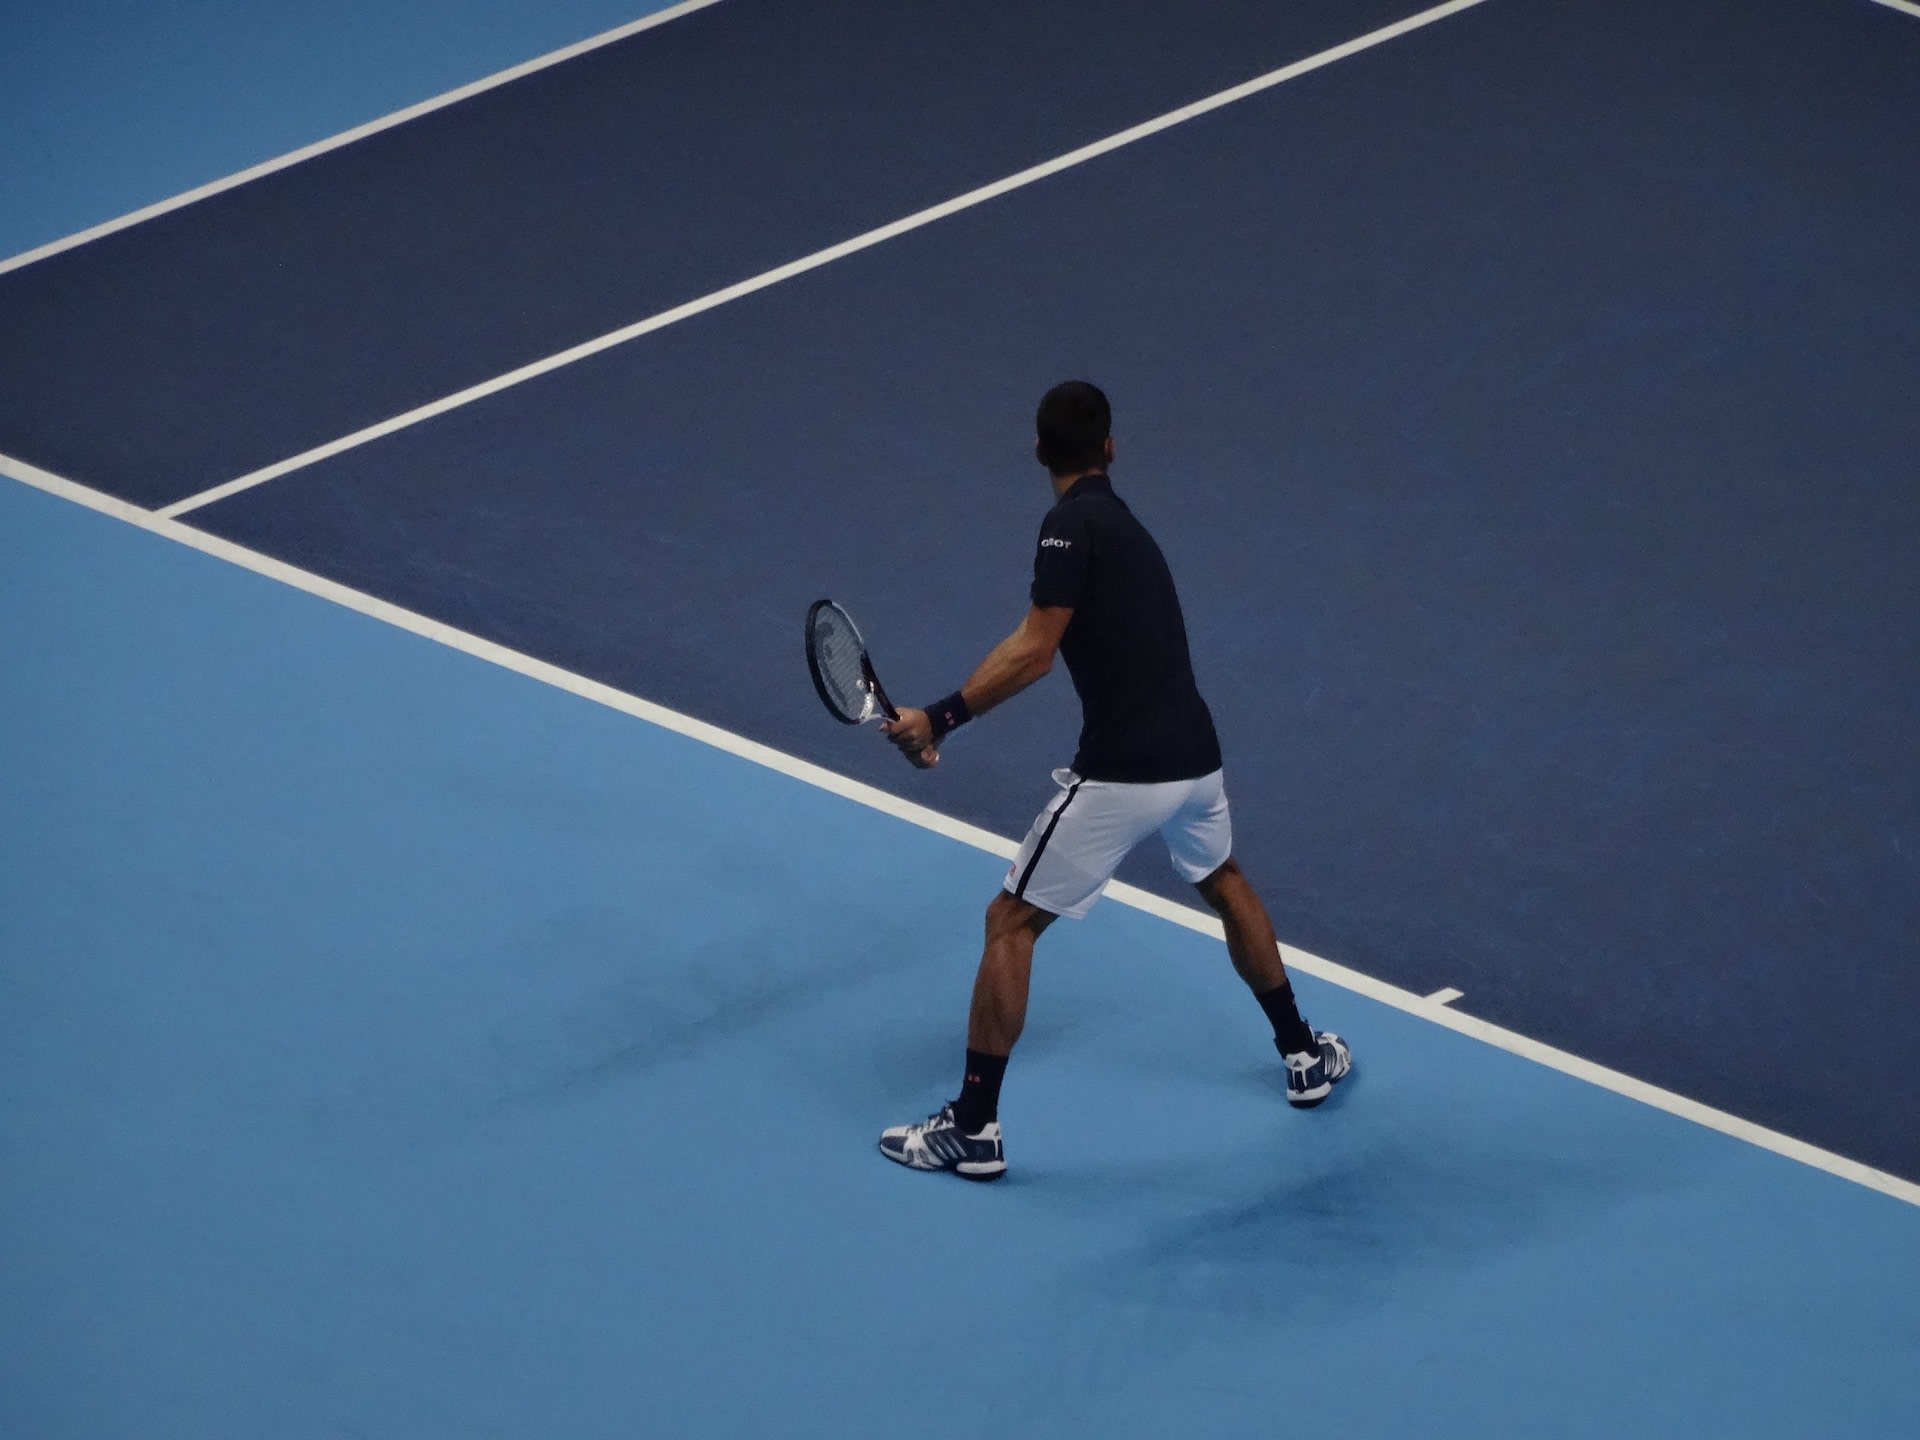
<point>1064,483</point>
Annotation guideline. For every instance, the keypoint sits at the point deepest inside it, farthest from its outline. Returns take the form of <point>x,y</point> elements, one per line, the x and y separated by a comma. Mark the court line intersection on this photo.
<point>1430,1008</point>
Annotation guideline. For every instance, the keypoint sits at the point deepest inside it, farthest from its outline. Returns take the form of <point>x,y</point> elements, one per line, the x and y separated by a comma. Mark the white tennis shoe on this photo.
<point>937,1143</point>
<point>1310,1074</point>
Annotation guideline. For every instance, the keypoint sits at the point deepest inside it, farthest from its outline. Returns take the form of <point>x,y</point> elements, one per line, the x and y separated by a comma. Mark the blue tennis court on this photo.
<point>453,973</point>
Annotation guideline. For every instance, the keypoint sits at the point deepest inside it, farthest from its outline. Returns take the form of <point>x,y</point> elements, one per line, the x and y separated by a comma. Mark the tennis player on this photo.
<point>1149,760</point>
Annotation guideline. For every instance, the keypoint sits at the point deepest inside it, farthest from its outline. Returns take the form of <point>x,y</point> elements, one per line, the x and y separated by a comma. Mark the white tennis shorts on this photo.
<point>1079,840</point>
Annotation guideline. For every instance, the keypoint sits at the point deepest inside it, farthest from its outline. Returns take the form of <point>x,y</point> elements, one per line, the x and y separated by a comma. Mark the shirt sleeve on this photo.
<point>1060,561</point>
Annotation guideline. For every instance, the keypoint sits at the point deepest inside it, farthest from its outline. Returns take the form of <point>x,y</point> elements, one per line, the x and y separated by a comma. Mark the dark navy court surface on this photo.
<point>106,108</point>
<point>1524,408</point>
<point>222,337</point>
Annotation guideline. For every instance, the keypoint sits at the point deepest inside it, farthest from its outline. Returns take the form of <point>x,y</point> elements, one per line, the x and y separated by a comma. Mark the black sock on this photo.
<point>979,1102</point>
<point>1292,1034</point>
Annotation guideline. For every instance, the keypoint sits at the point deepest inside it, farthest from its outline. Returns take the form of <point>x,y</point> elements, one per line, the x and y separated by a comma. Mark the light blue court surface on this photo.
<point>391,1046</point>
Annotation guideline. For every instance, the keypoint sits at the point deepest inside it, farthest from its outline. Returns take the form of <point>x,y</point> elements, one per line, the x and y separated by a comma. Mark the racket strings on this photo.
<point>840,655</point>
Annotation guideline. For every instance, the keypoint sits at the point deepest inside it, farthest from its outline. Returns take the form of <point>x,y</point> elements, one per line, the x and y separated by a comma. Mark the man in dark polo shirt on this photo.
<point>1149,760</point>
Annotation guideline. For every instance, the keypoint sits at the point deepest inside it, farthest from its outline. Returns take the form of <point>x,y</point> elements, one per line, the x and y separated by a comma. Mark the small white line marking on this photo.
<point>1905,7</point>
<point>816,775</point>
<point>817,259</point>
<point>359,132</point>
<point>1445,997</point>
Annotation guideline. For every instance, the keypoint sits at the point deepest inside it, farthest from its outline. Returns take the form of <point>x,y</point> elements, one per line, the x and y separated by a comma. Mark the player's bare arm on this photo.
<point>1010,667</point>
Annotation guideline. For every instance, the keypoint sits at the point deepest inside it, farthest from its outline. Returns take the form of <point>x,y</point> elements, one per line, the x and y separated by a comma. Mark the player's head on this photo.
<point>1073,429</point>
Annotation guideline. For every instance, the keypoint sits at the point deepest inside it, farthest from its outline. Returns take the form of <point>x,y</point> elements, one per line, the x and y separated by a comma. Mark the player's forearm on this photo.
<point>1012,665</point>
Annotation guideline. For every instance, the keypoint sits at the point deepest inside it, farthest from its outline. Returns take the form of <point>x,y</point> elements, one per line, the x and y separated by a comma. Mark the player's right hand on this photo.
<point>912,736</point>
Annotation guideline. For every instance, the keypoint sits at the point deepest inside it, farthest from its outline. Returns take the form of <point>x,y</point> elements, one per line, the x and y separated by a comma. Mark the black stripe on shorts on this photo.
<point>1020,891</point>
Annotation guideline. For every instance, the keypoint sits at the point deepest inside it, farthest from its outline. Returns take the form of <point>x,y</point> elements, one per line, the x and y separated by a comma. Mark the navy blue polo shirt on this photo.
<point>1143,720</point>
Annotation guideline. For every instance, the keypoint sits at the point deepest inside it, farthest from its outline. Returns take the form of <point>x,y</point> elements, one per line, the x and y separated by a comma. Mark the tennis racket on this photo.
<point>842,671</point>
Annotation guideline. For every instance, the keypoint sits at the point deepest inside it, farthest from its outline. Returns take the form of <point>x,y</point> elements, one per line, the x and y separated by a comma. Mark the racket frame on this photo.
<point>876,693</point>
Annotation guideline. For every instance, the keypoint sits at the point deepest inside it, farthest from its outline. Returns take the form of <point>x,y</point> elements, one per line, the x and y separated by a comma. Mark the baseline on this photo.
<point>1427,1008</point>
<point>818,258</point>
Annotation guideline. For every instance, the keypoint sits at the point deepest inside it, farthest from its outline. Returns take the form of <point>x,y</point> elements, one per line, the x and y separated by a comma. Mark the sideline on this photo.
<point>1438,1011</point>
<point>347,137</point>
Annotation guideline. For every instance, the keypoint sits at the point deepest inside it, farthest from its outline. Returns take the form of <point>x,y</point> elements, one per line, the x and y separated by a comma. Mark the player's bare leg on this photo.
<point>999,1011</point>
<point>964,1135</point>
<point>1314,1059</point>
<point>1250,939</point>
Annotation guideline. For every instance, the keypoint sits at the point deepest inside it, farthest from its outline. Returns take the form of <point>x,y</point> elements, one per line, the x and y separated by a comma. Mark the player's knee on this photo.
<point>1006,913</point>
<point>1000,912</point>
<point>1213,888</point>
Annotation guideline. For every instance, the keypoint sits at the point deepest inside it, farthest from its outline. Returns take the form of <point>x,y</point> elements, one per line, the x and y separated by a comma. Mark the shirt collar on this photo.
<point>1094,484</point>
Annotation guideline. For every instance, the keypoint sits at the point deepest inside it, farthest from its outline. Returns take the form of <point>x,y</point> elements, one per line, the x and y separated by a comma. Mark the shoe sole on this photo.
<point>1307,1099</point>
<point>980,1172</point>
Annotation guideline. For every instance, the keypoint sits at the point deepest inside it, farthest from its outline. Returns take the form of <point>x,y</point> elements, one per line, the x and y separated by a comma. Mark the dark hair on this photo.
<point>1073,423</point>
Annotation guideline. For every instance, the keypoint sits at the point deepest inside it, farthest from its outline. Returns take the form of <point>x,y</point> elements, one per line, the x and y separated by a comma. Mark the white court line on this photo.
<point>1905,7</point>
<point>1445,996</point>
<point>1426,1007</point>
<point>359,132</point>
<point>818,258</point>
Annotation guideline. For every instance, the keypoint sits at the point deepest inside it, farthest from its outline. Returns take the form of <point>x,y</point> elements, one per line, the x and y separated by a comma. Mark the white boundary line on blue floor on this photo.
<point>1905,7</point>
<point>358,132</point>
<point>1430,1008</point>
<point>873,237</point>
